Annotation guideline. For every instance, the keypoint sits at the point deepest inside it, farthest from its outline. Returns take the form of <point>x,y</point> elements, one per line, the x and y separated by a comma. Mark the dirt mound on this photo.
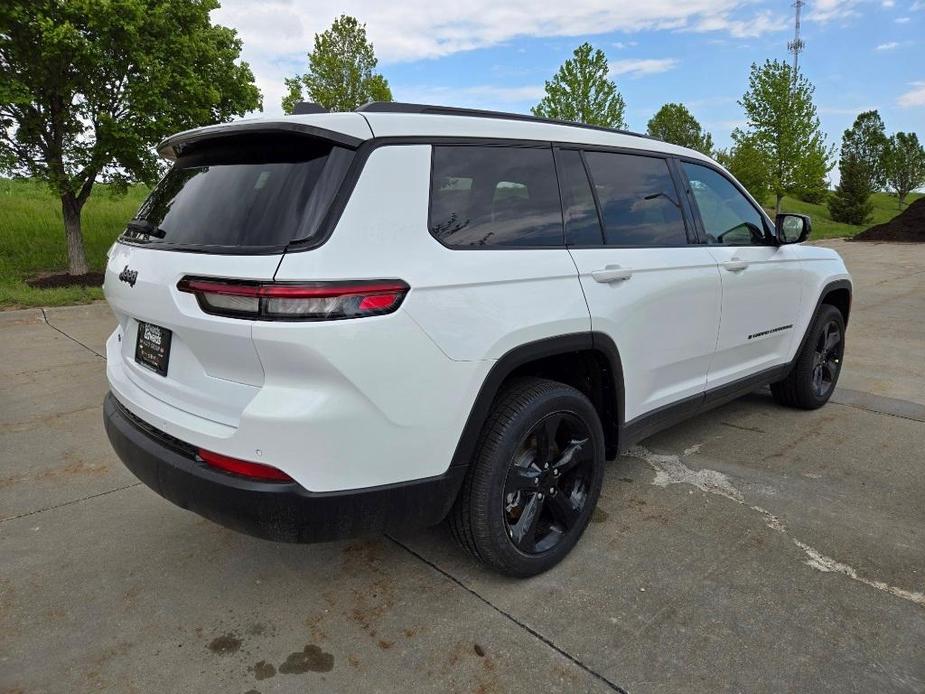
<point>909,225</point>
<point>62,279</point>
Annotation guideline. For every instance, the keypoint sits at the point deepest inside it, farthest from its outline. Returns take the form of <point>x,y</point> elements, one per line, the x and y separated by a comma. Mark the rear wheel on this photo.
<point>535,479</point>
<point>811,382</point>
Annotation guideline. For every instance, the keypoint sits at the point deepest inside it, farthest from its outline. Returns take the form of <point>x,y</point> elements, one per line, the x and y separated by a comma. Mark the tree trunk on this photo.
<point>777,206</point>
<point>76,256</point>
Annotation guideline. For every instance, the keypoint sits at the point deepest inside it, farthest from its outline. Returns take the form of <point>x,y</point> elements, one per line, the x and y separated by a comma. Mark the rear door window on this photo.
<point>485,197</point>
<point>243,193</point>
<point>639,203</point>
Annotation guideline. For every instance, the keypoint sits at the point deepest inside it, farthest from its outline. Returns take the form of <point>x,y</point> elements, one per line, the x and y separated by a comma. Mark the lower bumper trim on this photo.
<point>284,512</point>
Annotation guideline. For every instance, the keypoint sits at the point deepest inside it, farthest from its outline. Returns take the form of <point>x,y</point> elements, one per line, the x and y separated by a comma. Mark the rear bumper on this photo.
<point>284,512</point>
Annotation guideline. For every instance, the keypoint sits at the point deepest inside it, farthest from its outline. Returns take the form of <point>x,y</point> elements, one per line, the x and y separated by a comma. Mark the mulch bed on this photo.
<point>909,225</point>
<point>62,279</point>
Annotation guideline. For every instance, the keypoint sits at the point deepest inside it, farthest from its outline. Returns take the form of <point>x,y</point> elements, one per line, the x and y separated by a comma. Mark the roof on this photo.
<point>351,129</point>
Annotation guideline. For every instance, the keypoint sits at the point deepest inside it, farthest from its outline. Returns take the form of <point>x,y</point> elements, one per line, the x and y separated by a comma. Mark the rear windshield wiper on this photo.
<point>145,228</point>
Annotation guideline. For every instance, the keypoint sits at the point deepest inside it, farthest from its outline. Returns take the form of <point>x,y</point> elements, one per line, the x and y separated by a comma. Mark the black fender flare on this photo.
<point>524,354</point>
<point>826,290</point>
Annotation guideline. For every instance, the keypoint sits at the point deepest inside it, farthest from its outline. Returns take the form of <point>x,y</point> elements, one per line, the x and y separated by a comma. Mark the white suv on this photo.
<point>344,323</point>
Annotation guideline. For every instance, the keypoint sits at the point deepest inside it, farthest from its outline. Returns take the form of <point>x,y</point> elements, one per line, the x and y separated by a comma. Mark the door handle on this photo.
<point>735,265</point>
<point>612,273</point>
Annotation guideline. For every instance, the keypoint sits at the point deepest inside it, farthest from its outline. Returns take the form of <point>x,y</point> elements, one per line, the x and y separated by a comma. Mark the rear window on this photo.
<point>639,203</point>
<point>258,192</point>
<point>483,197</point>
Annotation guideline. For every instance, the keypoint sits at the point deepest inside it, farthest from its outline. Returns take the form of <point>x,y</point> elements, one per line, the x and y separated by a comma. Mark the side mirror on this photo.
<point>792,228</point>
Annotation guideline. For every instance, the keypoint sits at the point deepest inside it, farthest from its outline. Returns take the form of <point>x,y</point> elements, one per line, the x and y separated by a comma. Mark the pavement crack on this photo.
<point>670,470</point>
<point>530,630</point>
<point>69,503</point>
<point>72,339</point>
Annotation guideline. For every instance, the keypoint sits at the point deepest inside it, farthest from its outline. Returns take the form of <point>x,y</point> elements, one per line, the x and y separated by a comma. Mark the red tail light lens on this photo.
<point>310,301</point>
<point>244,468</point>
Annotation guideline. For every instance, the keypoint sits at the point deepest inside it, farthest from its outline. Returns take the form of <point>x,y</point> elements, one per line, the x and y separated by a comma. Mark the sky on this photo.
<point>860,54</point>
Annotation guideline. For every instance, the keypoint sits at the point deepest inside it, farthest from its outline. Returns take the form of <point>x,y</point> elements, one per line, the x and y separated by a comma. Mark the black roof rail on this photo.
<point>403,107</point>
<point>304,108</point>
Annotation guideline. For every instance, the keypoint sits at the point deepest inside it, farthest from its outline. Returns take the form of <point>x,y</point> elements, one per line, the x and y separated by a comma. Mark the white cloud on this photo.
<point>278,33</point>
<point>914,97</point>
<point>887,46</point>
<point>888,3</point>
<point>830,10</point>
<point>917,5</point>
<point>902,20</point>
<point>637,67</point>
<point>621,45</point>
<point>761,23</point>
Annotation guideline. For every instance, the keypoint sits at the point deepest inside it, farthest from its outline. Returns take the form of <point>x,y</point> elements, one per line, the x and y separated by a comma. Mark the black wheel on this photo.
<point>535,478</point>
<point>813,378</point>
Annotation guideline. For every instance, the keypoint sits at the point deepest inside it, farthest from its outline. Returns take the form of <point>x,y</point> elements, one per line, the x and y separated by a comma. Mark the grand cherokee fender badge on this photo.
<point>769,332</point>
<point>128,276</point>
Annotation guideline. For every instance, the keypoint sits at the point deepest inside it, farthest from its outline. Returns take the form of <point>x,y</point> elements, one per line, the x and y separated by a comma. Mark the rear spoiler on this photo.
<point>173,146</point>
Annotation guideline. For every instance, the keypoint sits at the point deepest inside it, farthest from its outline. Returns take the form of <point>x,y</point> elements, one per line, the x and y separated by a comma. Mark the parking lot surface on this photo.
<point>753,548</point>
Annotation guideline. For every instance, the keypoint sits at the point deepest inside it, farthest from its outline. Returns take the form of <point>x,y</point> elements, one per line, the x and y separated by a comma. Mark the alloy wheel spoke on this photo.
<point>524,531</point>
<point>564,510</point>
<point>521,479</point>
<point>832,338</point>
<point>574,452</point>
<point>546,439</point>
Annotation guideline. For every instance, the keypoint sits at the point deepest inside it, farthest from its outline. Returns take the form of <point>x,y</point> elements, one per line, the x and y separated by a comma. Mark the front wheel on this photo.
<point>535,479</point>
<point>811,382</point>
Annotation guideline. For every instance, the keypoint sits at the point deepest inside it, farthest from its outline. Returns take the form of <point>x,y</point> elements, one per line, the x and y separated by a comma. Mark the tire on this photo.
<point>812,380</point>
<point>534,481</point>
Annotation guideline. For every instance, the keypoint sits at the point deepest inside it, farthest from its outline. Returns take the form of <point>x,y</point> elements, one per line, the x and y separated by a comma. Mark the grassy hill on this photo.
<point>885,208</point>
<point>32,235</point>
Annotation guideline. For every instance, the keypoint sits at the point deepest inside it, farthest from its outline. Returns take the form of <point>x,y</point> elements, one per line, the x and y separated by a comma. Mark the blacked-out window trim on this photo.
<point>500,143</point>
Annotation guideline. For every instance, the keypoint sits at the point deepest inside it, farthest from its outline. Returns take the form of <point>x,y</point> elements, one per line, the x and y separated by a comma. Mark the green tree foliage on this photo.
<point>675,124</point>
<point>866,141</point>
<point>851,203</point>
<point>340,73</point>
<point>904,165</point>
<point>811,174</point>
<point>749,164</point>
<point>783,124</point>
<point>88,86</point>
<point>582,92</point>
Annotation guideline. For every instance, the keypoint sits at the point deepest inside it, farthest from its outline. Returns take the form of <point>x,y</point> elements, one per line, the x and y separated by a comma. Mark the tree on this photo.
<point>340,73</point>
<point>582,92</point>
<point>904,165</point>
<point>866,141</point>
<point>749,164</point>
<point>675,124</point>
<point>782,122</point>
<point>86,89</point>
<point>851,203</point>
<point>811,174</point>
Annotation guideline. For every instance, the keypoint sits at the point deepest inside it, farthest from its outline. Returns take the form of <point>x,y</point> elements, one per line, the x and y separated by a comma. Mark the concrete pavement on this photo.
<point>751,549</point>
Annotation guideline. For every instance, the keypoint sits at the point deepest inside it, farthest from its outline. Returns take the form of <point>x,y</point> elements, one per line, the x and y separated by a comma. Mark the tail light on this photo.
<point>308,301</point>
<point>244,468</point>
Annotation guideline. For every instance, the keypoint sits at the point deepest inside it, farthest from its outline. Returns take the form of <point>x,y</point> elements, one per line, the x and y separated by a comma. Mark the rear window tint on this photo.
<point>494,197</point>
<point>254,192</point>
<point>639,203</point>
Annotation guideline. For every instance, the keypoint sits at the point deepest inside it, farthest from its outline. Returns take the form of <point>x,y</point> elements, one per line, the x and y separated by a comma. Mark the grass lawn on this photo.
<point>32,239</point>
<point>32,235</point>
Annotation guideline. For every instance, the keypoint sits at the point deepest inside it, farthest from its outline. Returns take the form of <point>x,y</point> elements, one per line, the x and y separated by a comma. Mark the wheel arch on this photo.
<point>836,293</point>
<point>588,361</point>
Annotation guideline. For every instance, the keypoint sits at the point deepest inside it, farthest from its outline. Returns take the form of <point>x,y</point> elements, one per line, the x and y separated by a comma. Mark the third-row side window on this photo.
<point>484,196</point>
